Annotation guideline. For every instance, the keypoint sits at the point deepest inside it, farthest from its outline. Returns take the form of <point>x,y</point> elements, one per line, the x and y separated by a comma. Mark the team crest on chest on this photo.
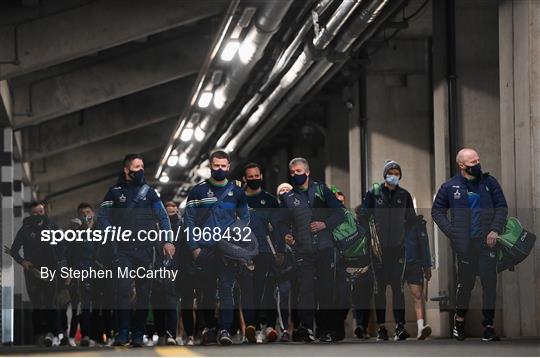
<point>230,193</point>
<point>263,202</point>
<point>399,201</point>
<point>122,198</point>
<point>457,195</point>
<point>296,202</point>
<point>210,193</point>
<point>379,201</point>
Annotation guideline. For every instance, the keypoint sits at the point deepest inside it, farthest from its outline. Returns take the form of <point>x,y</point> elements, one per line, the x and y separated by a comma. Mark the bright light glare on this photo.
<point>164,178</point>
<point>247,51</point>
<point>173,159</point>
<point>199,134</point>
<point>205,99</point>
<point>183,160</point>
<point>187,133</point>
<point>220,98</point>
<point>230,50</point>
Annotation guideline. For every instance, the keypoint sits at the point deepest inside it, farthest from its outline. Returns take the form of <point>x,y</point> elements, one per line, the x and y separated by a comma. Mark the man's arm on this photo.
<point>161,215</point>
<point>190,217</point>
<point>441,204</point>
<point>103,215</point>
<point>336,217</point>
<point>17,244</point>
<point>410,212</point>
<point>273,217</point>
<point>242,209</point>
<point>500,206</point>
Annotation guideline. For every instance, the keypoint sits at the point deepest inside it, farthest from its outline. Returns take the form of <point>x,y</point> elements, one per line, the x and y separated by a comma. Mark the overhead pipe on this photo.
<point>346,42</point>
<point>306,59</point>
<point>280,65</point>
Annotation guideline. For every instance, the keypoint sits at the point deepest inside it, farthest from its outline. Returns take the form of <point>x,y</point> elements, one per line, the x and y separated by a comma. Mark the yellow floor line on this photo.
<point>175,352</point>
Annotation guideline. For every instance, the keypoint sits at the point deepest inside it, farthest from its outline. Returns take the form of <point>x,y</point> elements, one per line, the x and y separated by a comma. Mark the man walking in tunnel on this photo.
<point>213,206</point>
<point>391,208</point>
<point>132,205</point>
<point>478,212</point>
<point>312,215</point>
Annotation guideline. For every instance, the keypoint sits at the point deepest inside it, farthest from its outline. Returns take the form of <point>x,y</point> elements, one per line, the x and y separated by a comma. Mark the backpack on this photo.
<point>515,244</point>
<point>350,239</point>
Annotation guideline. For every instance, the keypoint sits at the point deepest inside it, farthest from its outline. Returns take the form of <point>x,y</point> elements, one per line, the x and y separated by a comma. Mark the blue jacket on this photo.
<point>305,207</point>
<point>264,211</point>
<point>197,214</point>
<point>417,243</point>
<point>145,215</point>
<point>453,196</point>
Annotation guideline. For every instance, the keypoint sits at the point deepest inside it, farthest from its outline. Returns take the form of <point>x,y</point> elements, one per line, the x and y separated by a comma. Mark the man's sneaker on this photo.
<point>208,336</point>
<point>63,340</point>
<point>71,342</point>
<point>190,341</point>
<point>87,342</point>
<point>326,338</point>
<point>120,341</point>
<point>251,334</point>
<point>259,338</point>
<point>56,341</point>
<point>285,337</point>
<point>162,341</point>
<point>170,341</point>
<point>382,334</point>
<point>271,335</point>
<point>48,340</point>
<point>489,335</point>
<point>401,333</point>
<point>459,330</point>
<point>138,342</point>
<point>179,341</point>
<point>424,332</point>
<point>225,338</point>
<point>305,334</point>
<point>359,332</point>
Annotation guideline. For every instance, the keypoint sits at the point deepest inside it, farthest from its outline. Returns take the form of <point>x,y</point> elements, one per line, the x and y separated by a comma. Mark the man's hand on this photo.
<point>168,250</point>
<point>491,239</point>
<point>427,273</point>
<point>280,257</point>
<point>317,226</point>
<point>27,265</point>
<point>196,253</point>
<point>289,239</point>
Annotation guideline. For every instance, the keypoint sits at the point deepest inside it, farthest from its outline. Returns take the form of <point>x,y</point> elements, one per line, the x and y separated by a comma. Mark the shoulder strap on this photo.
<point>141,194</point>
<point>216,203</point>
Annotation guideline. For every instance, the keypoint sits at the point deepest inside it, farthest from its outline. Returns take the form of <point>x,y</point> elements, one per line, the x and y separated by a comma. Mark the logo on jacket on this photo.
<point>122,198</point>
<point>230,193</point>
<point>210,193</point>
<point>296,202</point>
<point>399,201</point>
<point>379,201</point>
<point>263,202</point>
<point>457,195</point>
<point>492,254</point>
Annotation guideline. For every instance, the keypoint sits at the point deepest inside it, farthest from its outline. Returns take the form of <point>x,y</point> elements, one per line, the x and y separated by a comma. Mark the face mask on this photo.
<point>475,170</point>
<point>392,179</point>
<point>219,174</point>
<point>87,219</point>
<point>254,184</point>
<point>299,179</point>
<point>137,177</point>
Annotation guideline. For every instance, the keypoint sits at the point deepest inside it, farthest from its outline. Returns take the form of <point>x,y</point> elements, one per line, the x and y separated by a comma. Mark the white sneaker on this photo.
<point>56,341</point>
<point>71,342</point>
<point>190,341</point>
<point>259,338</point>
<point>48,340</point>
<point>424,332</point>
<point>171,341</point>
<point>179,341</point>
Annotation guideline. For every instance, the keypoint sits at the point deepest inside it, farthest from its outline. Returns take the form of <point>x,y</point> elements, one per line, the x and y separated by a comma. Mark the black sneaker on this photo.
<point>295,336</point>
<point>401,333</point>
<point>208,336</point>
<point>459,330</point>
<point>225,338</point>
<point>305,334</point>
<point>359,332</point>
<point>382,334</point>
<point>325,338</point>
<point>489,335</point>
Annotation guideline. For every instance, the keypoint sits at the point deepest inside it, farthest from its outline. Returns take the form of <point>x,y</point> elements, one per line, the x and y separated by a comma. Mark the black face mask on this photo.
<point>137,177</point>
<point>475,170</point>
<point>219,174</point>
<point>254,184</point>
<point>174,218</point>
<point>298,179</point>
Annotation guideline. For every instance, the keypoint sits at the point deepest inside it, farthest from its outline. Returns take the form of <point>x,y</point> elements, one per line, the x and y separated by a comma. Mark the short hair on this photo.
<point>84,205</point>
<point>171,203</point>
<point>252,165</point>
<point>130,158</point>
<point>219,154</point>
<point>299,160</point>
<point>36,203</point>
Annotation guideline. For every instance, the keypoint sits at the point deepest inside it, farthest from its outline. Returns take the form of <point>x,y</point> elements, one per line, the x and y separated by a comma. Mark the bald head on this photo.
<point>467,158</point>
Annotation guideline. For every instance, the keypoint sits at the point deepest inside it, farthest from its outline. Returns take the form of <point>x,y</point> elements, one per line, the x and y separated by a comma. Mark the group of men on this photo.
<point>297,287</point>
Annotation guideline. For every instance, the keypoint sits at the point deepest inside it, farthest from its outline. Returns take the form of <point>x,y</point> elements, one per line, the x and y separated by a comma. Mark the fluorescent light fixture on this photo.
<point>183,160</point>
<point>230,50</point>
<point>187,133</point>
<point>164,178</point>
<point>247,51</point>
<point>173,159</point>
<point>205,99</point>
<point>220,98</point>
<point>199,134</point>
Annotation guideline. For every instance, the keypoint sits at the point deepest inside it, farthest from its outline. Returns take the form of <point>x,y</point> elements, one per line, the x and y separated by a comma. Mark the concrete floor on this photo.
<point>435,347</point>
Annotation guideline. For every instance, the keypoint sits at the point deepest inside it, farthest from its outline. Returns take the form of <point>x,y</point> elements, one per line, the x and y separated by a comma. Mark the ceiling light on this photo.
<point>247,51</point>
<point>183,160</point>
<point>205,99</point>
<point>164,178</point>
<point>230,50</point>
<point>199,134</point>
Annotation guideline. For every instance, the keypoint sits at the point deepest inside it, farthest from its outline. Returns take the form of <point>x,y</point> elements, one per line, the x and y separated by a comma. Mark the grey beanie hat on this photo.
<point>390,164</point>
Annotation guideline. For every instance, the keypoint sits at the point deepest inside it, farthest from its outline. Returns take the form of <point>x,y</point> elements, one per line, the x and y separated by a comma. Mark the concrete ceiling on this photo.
<point>91,81</point>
